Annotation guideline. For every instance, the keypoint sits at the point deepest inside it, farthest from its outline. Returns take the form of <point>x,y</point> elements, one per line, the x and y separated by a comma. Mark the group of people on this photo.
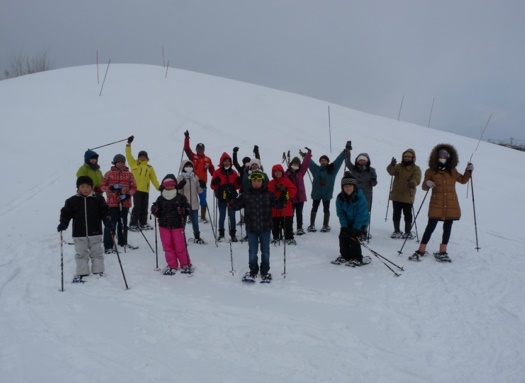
<point>269,204</point>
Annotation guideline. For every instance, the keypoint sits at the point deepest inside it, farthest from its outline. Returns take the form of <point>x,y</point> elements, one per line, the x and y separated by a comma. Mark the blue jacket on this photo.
<point>324,178</point>
<point>352,210</point>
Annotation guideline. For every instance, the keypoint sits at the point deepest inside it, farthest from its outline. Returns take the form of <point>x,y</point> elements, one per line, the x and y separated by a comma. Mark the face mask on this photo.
<point>295,167</point>
<point>226,167</point>
<point>443,160</point>
<point>188,169</point>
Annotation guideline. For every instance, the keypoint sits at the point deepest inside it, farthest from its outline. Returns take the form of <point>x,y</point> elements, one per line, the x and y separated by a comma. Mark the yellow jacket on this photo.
<point>142,171</point>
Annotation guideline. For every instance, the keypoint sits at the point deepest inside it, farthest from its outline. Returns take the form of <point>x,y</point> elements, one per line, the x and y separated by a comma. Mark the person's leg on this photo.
<point>194,214</point>
<point>253,245</point>
<point>144,201</point>
<point>135,212</point>
<point>396,215</point>
<point>431,226</point>
<point>203,203</point>
<point>179,242</point>
<point>298,207</point>
<point>265,251</point>
<point>447,230</point>
<point>81,255</point>
<point>123,227</point>
<point>114,213</point>
<point>288,227</point>
<point>407,212</point>
<point>96,254</point>
<point>168,246</point>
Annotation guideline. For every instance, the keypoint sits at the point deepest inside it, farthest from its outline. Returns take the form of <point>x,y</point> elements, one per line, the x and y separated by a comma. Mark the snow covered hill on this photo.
<point>458,322</point>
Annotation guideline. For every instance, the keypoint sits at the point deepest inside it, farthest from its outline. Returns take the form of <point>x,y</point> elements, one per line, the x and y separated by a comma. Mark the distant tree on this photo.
<point>20,64</point>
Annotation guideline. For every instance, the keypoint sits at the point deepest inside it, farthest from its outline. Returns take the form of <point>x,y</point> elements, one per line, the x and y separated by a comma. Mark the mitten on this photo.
<point>61,227</point>
<point>202,184</point>
<point>154,209</point>
<point>236,149</point>
<point>393,162</point>
<point>256,151</point>
<point>187,134</point>
<point>280,187</point>
<point>430,184</point>
<point>181,184</point>
<point>470,167</point>
<point>411,184</point>
<point>130,139</point>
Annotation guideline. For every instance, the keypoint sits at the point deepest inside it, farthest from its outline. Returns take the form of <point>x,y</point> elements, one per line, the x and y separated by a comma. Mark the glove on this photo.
<point>123,197</point>
<point>301,153</point>
<point>470,167</point>
<point>256,150</point>
<point>154,209</point>
<point>181,184</point>
<point>109,225</point>
<point>308,149</point>
<point>115,187</point>
<point>202,184</point>
<point>236,149</point>
<point>431,184</point>
<point>216,181</point>
<point>411,184</point>
<point>393,162</point>
<point>187,134</point>
<point>348,145</point>
<point>61,227</point>
<point>130,139</point>
<point>280,187</point>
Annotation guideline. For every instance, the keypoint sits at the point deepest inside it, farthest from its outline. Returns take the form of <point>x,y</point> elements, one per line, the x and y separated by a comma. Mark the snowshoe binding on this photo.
<point>78,279</point>
<point>169,271</point>
<point>356,263</point>
<point>442,257</point>
<point>249,277</point>
<point>417,256</point>
<point>267,278</point>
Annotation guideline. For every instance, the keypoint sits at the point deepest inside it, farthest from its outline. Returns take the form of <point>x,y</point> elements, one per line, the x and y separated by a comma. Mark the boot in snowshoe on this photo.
<point>249,277</point>
<point>267,278</point>
<point>416,257</point>
<point>78,279</point>
<point>325,229</point>
<point>187,270</point>
<point>133,228</point>
<point>291,242</point>
<point>130,247</point>
<point>169,271</point>
<point>442,257</point>
<point>339,261</point>
<point>396,235</point>
<point>356,263</point>
<point>409,235</point>
<point>311,229</point>
<point>300,232</point>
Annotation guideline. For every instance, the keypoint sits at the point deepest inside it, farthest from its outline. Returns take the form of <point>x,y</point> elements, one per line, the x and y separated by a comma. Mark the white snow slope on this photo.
<point>458,322</point>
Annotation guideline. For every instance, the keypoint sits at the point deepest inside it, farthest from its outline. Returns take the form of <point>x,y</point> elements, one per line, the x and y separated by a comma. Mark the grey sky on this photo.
<point>367,55</point>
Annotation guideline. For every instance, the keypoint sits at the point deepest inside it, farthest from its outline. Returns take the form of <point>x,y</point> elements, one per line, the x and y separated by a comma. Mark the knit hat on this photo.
<point>361,157</point>
<point>253,162</point>
<point>84,180</point>
<point>325,157</point>
<point>119,158</point>
<point>348,179</point>
<point>169,181</point>
<point>143,153</point>
<point>295,160</point>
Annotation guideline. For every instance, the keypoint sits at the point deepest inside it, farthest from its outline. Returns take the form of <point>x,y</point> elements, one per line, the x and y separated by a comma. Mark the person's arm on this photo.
<point>132,162</point>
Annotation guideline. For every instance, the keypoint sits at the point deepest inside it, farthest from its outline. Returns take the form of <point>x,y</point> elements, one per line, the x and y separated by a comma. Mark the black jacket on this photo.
<point>86,213</point>
<point>172,213</point>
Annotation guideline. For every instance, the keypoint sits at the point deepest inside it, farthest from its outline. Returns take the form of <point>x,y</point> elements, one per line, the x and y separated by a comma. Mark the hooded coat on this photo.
<point>290,192</point>
<point>404,175</point>
<point>352,210</point>
<point>444,204</point>
<point>297,177</point>
<point>366,177</point>
<point>90,170</point>
<point>225,182</point>
<point>192,186</point>
<point>142,171</point>
<point>172,213</point>
<point>119,176</point>
<point>324,178</point>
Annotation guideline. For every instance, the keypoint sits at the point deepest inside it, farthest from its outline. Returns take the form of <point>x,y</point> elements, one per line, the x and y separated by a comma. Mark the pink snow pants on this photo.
<point>174,247</point>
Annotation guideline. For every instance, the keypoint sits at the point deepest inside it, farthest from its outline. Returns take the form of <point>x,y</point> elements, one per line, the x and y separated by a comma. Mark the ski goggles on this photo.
<point>256,177</point>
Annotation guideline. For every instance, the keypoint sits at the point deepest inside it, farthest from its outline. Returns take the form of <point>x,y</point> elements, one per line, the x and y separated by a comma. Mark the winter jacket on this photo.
<point>257,205</point>
<point>86,213</point>
<point>444,202</point>
<point>201,163</point>
<point>297,177</point>
<point>225,183</point>
<point>366,177</point>
<point>172,213</point>
<point>192,187</point>
<point>289,193</point>
<point>324,178</point>
<point>352,210</point>
<point>142,171</point>
<point>123,177</point>
<point>90,170</point>
<point>402,191</point>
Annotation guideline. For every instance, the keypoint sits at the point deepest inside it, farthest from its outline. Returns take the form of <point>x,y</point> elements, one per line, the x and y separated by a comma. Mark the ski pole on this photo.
<point>156,247</point>
<point>390,191</point>
<point>119,261</point>
<point>211,224</point>
<point>381,258</point>
<point>283,222</point>
<point>230,230</point>
<point>415,218</point>
<point>116,142</point>
<point>190,266</point>
<point>474,207</point>
<point>415,225</point>
<point>141,232</point>
<point>62,260</point>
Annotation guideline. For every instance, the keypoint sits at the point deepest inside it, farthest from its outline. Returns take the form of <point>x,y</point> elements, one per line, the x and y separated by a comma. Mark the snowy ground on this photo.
<point>458,322</point>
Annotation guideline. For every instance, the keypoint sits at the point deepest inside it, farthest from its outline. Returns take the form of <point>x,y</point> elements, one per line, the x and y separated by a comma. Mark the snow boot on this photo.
<point>312,228</point>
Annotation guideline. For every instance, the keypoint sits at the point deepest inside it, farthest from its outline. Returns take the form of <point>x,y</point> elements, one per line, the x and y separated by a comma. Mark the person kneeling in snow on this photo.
<point>352,211</point>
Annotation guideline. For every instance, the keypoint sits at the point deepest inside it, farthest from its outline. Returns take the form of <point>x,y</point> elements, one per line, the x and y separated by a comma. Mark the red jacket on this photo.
<point>225,182</point>
<point>123,177</point>
<point>201,164</point>
<point>291,190</point>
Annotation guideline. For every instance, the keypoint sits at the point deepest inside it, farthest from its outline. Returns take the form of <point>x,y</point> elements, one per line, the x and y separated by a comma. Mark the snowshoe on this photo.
<point>187,270</point>
<point>169,271</point>
<point>109,251</point>
<point>204,220</point>
<point>291,242</point>
<point>130,247</point>
<point>146,227</point>
<point>311,229</point>
<point>275,242</point>
<point>409,235</point>
<point>416,257</point>
<point>356,263</point>
<point>442,257</point>
<point>199,241</point>
<point>267,278</point>
<point>396,235</point>
<point>325,229</point>
<point>78,279</point>
<point>234,239</point>
<point>133,228</point>
<point>249,277</point>
<point>300,232</point>
<point>339,261</point>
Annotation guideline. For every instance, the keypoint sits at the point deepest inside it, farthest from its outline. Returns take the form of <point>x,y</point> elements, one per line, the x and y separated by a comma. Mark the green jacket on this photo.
<point>95,175</point>
<point>142,171</point>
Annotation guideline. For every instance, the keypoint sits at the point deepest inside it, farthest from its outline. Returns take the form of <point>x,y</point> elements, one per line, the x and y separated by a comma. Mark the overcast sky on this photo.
<point>369,55</point>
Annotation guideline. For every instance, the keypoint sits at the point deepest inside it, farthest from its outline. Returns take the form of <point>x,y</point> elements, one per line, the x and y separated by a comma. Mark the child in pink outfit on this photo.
<point>172,209</point>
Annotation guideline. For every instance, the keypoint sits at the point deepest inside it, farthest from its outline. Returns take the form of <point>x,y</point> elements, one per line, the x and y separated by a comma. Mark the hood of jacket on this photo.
<point>277,167</point>
<point>452,162</point>
<point>224,157</point>
<point>365,155</point>
<point>89,154</point>
<point>183,165</point>
<point>411,151</point>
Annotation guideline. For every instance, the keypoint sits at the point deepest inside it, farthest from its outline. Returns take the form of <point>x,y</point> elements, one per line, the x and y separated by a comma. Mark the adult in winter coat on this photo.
<point>364,174</point>
<point>189,185</point>
<point>171,209</point>
<point>324,176</point>
<point>282,218</point>
<point>225,183</point>
<point>119,185</point>
<point>144,175</point>
<point>258,203</point>
<point>441,177</point>
<point>202,165</point>
<point>352,211</point>
<point>87,210</point>
<point>407,175</point>
<point>91,169</point>
<point>295,173</point>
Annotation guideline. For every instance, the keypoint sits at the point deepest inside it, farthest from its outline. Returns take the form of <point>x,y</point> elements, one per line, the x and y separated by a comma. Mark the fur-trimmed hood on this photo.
<point>452,161</point>
<point>364,155</point>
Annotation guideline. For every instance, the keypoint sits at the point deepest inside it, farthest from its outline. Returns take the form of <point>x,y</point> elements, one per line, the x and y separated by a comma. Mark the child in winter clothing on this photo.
<point>246,161</point>
<point>295,173</point>
<point>407,175</point>
<point>189,185</point>
<point>87,209</point>
<point>352,211</point>
<point>172,209</point>
<point>202,165</point>
<point>282,218</point>
<point>91,168</point>
<point>441,177</point>
<point>258,203</point>
<point>144,174</point>
<point>119,185</point>
<point>324,176</point>
<point>225,182</point>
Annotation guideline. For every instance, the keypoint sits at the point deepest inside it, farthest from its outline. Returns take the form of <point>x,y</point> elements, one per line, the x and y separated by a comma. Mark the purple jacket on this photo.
<point>297,177</point>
